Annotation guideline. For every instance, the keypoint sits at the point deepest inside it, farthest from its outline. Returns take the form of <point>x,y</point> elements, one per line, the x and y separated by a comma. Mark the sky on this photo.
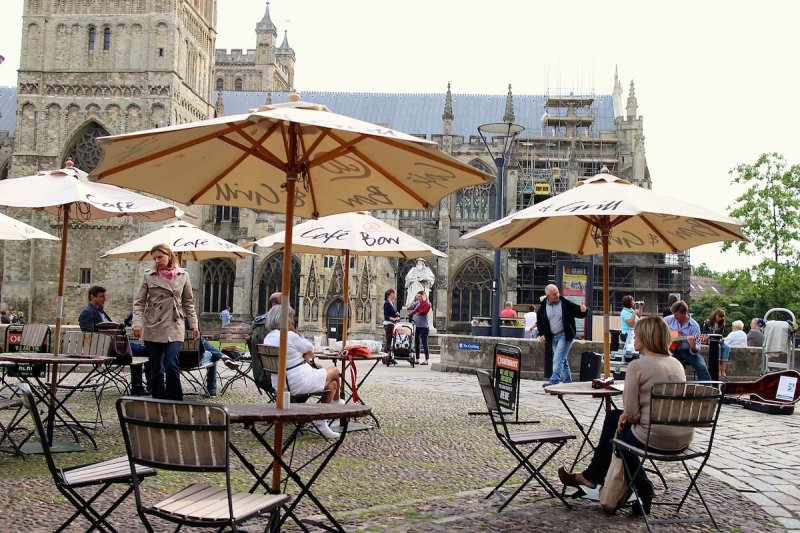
<point>714,80</point>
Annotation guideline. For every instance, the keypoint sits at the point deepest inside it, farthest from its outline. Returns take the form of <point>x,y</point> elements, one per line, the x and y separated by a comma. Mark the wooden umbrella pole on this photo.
<point>56,340</point>
<point>344,316</point>
<point>606,328</point>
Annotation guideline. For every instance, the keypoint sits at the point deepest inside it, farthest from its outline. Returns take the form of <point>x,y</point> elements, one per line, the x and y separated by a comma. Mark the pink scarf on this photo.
<point>168,273</point>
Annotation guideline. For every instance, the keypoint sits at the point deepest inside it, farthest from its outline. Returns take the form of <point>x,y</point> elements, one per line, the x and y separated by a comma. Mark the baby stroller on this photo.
<point>402,346</point>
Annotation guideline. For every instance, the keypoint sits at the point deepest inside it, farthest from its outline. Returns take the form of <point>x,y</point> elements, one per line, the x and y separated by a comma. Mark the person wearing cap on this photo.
<point>755,337</point>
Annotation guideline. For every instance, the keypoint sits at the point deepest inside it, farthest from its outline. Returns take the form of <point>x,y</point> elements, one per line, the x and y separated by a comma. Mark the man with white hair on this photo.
<point>556,323</point>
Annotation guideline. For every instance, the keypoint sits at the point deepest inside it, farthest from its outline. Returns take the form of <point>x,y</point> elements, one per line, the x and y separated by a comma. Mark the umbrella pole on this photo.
<point>56,339</point>
<point>606,328</point>
<point>286,288</point>
<point>344,315</point>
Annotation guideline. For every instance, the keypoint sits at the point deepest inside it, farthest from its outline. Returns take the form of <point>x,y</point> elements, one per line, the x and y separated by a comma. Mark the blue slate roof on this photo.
<point>422,113</point>
<point>406,112</point>
<point>8,109</point>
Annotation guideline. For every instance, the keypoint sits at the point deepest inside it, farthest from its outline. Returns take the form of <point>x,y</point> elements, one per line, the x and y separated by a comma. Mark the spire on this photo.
<point>266,24</point>
<point>616,95</point>
<point>285,43</point>
<point>632,108</point>
<point>448,105</point>
<point>219,108</point>
<point>509,114</point>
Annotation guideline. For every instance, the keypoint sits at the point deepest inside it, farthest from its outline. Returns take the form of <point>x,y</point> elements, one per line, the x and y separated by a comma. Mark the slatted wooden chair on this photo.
<point>230,337</point>
<point>191,365</point>
<point>34,338</point>
<point>523,445</point>
<point>189,437</point>
<point>71,482</point>
<point>679,404</point>
<point>88,344</point>
<point>269,361</point>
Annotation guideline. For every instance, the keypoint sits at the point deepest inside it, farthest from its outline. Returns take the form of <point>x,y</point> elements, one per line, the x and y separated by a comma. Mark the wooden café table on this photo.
<point>347,391</point>
<point>25,369</point>
<point>298,414</point>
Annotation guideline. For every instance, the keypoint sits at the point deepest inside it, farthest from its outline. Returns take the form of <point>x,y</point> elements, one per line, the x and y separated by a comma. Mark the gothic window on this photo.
<point>226,213</point>
<point>84,150</point>
<point>471,292</point>
<point>220,84</point>
<point>364,302</point>
<point>311,304</point>
<point>238,85</point>
<point>218,278</point>
<point>92,33</point>
<point>475,203</point>
<point>270,281</point>
<point>107,39</point>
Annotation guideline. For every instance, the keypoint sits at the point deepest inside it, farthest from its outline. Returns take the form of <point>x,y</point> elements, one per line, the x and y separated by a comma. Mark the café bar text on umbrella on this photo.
<point>186,240</point>
<point>257,159</point>
<point>347,234</point>
<point>606,214</point>
<point>68,194</point>
<point>12,229</point>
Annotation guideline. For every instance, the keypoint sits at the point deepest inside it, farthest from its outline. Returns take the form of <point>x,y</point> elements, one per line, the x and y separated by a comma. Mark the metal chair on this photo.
<point>98,476</point>
<point>679,404</point>
<point>189,437</point>
<point>523,445</point>
<point>14,405</point>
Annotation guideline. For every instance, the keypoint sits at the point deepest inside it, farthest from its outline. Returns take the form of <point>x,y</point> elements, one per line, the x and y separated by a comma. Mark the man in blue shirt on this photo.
<point>225,316</point>
<point>688,351</point>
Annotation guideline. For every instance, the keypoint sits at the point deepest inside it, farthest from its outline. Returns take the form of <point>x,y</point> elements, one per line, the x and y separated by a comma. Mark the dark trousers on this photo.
<point>389,330</point>
<point>164,364</point>
<point>694,360</point>
<point>601,460</point>
<point>139,371</point>
<point>421,337</point>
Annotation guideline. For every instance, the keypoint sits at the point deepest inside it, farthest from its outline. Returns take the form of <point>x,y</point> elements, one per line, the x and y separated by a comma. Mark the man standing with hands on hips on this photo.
<point>556,323</point>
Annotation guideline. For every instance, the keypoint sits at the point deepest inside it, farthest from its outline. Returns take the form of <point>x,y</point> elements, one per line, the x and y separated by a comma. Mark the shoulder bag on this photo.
<point>616,488</point>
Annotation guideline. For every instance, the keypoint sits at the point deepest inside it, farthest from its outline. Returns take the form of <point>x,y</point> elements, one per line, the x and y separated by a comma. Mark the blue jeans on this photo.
<point>164,363</point>
<point>421,337</point>
<point>561,371</point>
<point>695,360</point>
<point>724,351</point>
<point>211,355</point>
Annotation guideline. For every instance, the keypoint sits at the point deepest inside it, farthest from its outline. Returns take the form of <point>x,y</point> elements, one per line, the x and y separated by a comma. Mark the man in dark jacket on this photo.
<point>556,322</point>
<point>94,314</point>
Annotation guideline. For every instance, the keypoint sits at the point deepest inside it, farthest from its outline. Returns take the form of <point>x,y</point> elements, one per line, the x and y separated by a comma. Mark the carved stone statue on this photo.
<point>419,278</point>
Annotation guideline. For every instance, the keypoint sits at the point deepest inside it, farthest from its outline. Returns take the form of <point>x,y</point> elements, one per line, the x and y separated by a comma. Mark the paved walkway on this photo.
<point>756,454</point>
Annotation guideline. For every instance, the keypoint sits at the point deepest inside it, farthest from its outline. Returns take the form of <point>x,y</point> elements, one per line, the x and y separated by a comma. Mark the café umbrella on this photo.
<point>296,158</point>
<point>186,240</point>
<point>68,194</point>
<point>12,229</point>
<point>346,234</point>
<point>604,215</point>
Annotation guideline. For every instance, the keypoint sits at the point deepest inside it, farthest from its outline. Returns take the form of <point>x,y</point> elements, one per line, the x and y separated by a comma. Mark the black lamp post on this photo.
<point>508,131</point>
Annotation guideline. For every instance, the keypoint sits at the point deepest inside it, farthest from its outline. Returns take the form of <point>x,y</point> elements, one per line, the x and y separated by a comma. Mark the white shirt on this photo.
<point>736,338</point>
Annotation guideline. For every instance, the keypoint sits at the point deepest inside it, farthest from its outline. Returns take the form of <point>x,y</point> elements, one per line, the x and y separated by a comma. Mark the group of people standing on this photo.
<point>418,313</point>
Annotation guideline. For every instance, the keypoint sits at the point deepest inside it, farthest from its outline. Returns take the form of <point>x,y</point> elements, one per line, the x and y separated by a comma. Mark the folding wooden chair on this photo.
<point>518,442</point>
<point>269,361</point>
<point>189,361</point>
<point>88,344</point>
<point>680,404</point>
<point>189,437</point>
<point>98,476</point>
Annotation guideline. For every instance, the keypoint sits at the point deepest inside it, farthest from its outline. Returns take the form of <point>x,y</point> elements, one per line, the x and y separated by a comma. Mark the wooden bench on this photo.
<point>234,333</point>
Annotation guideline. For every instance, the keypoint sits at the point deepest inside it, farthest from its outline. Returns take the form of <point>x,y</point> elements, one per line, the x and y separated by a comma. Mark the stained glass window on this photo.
<point>218,278</point>
<point>84,152</point>
<point>471,292</point>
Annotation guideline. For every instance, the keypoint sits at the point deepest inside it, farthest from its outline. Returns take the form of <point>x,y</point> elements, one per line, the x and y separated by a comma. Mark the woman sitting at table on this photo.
<point>652,337</point>
<point>302,376</point>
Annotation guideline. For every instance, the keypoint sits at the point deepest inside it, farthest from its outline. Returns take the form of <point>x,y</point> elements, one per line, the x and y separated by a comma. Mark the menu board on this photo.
<point>507,366</point>
<point>574,281</point>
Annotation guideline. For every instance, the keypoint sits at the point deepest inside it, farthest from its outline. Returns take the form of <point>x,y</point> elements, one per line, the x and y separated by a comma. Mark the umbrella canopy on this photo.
<point>187,241</point>
<point>351,234</point>
<point>256,160</point>
<point>68,194</point>
<point>12,229</point>
<point>606,214</point>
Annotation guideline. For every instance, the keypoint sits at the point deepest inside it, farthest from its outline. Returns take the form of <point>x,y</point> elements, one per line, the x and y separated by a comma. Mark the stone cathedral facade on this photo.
<point>97,67</point>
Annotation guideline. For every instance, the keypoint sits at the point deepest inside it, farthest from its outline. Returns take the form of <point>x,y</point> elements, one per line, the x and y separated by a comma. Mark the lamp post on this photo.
<point>508,131</point>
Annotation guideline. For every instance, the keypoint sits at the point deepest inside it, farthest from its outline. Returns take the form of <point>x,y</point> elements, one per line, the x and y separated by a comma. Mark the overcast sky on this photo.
<point>715,81</point>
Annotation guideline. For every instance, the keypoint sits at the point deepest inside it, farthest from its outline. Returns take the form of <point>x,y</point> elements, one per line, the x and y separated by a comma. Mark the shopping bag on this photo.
<point>615,487</point>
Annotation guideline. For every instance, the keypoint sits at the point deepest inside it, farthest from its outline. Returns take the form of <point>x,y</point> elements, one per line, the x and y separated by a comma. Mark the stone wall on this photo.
<point>745,363</point>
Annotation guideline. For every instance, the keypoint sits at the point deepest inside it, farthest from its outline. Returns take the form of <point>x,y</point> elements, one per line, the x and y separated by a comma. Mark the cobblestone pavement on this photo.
<point>429,468</point>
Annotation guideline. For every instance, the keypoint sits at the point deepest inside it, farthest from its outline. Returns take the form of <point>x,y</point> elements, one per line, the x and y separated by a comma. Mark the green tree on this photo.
<point>770,208</point>
<point>703,270</point>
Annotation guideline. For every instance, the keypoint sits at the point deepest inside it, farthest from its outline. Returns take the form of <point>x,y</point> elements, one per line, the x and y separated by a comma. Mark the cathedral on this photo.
<point>91,68</point>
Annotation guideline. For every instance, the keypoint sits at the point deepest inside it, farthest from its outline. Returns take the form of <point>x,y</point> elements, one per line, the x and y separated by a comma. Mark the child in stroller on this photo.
<point>402,346</point>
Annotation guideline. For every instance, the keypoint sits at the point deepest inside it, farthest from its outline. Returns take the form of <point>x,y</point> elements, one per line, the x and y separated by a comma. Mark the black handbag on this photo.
<point>120,346</point>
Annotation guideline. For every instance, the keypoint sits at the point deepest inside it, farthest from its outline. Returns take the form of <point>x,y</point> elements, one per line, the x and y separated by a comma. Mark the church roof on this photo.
<point>8,109</point>
<point>406,112</point>
<point>422,113</point>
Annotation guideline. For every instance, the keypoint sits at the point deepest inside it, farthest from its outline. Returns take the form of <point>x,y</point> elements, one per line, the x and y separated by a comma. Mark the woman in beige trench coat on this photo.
<point>161,307</point>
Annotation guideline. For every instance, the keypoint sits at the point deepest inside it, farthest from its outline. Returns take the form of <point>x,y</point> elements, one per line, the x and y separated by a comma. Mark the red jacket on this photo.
<point>422,309</point>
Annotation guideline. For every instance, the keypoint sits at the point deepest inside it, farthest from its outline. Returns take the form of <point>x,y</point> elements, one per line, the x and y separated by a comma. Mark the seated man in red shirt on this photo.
<point>508,311</point>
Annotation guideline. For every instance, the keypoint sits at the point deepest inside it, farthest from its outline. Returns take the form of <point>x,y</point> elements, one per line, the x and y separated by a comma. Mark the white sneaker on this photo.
<point>325,430</point>
<point>338,401</point>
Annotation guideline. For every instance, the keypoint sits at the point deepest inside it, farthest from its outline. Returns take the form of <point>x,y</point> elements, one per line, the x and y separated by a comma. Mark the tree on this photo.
<point>770,208</point>
<point>703,270</point>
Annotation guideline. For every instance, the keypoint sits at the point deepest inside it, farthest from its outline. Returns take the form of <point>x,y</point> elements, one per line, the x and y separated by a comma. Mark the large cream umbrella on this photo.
<point>186,240</point>
<point>347,234</point>
<point>257,159</point>
<point>68,194</point>
<point>606,214</point>
<point>12,229</point>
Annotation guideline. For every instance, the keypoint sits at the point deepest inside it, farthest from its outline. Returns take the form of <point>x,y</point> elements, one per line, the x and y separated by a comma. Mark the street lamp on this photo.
<point>508,131</point>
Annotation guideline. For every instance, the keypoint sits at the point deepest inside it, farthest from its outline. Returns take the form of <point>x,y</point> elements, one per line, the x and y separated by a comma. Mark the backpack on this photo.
<point>257,333</point>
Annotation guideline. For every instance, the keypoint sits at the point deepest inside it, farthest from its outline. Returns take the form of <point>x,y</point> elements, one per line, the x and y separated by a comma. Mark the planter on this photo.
<point>514,332</point>
<point>481,331</point>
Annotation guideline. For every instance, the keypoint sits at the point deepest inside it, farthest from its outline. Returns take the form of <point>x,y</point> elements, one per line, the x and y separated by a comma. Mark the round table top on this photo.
<point>296,412</point>
<point>28,357</point>
<point>579,388</point>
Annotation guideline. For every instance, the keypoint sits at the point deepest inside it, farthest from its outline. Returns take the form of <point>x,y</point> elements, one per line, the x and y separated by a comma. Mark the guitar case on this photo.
<point>753,404</point>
